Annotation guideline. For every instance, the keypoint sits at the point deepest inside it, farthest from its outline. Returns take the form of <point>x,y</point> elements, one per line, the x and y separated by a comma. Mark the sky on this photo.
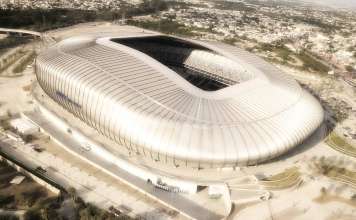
<point>335,3</point>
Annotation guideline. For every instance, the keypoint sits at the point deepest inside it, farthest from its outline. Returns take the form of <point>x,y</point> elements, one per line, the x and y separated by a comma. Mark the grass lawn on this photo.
<point>338,143</point>
<point>337,173</point>
<point>21,66</point>
<point>289,177</point>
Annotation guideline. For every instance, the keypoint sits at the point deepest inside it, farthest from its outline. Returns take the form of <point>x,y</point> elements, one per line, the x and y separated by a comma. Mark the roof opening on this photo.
<point>195,63</point>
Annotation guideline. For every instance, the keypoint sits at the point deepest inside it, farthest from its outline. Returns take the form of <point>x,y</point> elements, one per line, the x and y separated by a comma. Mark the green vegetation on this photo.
<point>279,50</point>
<point>46,19</point>
<point>6,200</point>
<point>339,144</point>
<point>335,172</point>
<point>42,20</point>
<point>166,26</point>
<point>326,197</point>
<point>349,68</point>
<point>25,195</point>
<point>353,197</point>
<point>325,27</point>
<point>19,68</point>
<point>289,177</point>
<point>266,47</point>
<point>32,214</point>
<point>87,211</point>
<point>8,217</point>
<point>17,54</point>
<point>351,48</point>
<point>286,173</point>
<point>12,41</point>
<point>233,40</point>
<point>11,59</point>
<point>284,53</point>
<point>310,63</point>
<point>151,6</point>
<point>4,123</point>
<point>41,204</point>
<point>230,40</point>
<point>339,108</point>
<point>237,6</point>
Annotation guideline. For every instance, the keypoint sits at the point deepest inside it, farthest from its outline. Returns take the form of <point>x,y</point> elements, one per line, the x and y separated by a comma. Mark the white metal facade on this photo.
<point>143,105</point>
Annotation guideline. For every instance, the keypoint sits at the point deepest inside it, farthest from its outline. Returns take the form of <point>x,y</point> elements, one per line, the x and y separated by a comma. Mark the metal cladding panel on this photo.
<point>142,104</point>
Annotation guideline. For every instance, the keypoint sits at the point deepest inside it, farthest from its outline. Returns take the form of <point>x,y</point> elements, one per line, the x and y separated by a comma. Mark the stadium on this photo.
<point>179,102</point>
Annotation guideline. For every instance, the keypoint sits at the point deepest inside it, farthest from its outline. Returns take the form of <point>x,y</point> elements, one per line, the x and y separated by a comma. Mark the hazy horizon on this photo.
<point>334,3</point>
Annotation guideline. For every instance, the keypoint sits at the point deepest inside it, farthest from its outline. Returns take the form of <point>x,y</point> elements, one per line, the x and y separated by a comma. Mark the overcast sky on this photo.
<point>335,3</point>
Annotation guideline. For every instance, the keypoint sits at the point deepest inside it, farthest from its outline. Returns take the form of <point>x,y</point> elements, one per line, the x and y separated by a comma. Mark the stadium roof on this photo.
<point>186,102</point>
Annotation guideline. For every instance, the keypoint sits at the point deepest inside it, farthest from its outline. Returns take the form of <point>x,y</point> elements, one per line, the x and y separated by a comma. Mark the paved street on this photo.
<point>170,199</point>
<point>92,184</point>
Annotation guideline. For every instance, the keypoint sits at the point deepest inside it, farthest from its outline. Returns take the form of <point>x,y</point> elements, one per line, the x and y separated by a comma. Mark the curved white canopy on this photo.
<point>144,105</point>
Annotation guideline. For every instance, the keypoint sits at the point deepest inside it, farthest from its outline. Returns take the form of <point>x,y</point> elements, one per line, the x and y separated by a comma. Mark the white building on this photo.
<point>179,102</point>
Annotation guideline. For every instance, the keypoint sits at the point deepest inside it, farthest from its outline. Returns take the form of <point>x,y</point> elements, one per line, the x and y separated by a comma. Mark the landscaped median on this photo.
<point>10,59</point>
<point>24,62</point>
<point>15,63</point>
<point>286,179</point>
<point>339,144</point>
<point>337,173</point>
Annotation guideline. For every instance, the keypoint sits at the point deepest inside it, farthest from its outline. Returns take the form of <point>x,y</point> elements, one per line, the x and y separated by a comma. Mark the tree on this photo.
<point>9,114</point>
<point>8,217</point>
<point>353,197</point>
<point>32,214</point>
<point>72,193</point>
<point>5,200</point>
<point>33,196</point>
<point>49,214</point>
<point>349,68</point>
<point>61,197</point>
<point>27,138</point>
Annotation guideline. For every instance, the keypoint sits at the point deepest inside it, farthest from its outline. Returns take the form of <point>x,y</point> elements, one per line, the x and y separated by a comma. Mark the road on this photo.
<point>44,36</point>
<point>90,183</point>
<point>21,31</point>
<point>170,199</point>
